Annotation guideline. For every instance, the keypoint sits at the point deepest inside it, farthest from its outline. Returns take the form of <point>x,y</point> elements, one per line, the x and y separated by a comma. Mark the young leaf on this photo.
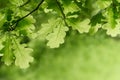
<point>96,19</point>
<point>26,26</point>
<point>8,53</point>
<point>112,31</point>
<point>94,29</point>
<point>22,55</point>
<point>2,19</point>
<point>102,4</point>
<point>47,28</point>
<point>57,36</point>
<point>70,8</point>
<point>81,26</point>
<point>111,19</point>
<point>1,43</point>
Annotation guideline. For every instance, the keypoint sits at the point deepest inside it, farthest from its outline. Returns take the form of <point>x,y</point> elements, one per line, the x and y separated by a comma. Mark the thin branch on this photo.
<point>61,10</point>
<point>13,26</point>
<point>31,11</point>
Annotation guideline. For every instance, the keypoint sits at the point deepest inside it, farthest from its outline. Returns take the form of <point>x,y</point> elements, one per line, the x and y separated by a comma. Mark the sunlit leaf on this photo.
<point>8,53</point>
<point>112,31</point>
<point>57,36</point>
<point>81,26</point>
<point>22,55</point>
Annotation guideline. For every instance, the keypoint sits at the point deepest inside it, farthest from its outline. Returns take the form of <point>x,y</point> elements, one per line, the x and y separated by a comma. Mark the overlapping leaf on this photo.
<point>70,8</point>
<point>81,15</point>
<point>22,55</point>
<point>111,18</point>
<point>81,26</point>
<point>47,28</point>
<point>112,31</point>
<point>54,31</point>
<point>1,43</point>
<point>8,51</point>
<point>12,51</point>
<point>2,19</point>
<point>10,44</point>
<point>57,36</point>
<point>26,27</point>
<point>94,29</point>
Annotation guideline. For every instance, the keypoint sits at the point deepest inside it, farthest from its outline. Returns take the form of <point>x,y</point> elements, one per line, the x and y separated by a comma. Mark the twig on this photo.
<point>13,26</point>
<point>61,10</point>
<point>31,11</point>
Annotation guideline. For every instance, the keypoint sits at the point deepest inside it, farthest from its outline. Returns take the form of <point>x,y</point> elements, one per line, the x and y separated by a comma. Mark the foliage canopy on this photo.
<point>21,21</point>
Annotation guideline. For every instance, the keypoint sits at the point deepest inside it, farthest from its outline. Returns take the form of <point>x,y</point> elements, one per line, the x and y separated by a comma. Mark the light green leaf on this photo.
<point>26,27</point>
<point>1,44</point>
<point>57,36</point>
<point>22,55</point>
<point>8,53</point>
<point>29,30</point>
<point>110,18</point>
<point>47,28</point>
<point>72,7</point>
<point>2,19</point>
<point>16,2</point>
<point>101,4</point>
<point>94,29</point>
<point>112,31</point>
<point>81,26</point>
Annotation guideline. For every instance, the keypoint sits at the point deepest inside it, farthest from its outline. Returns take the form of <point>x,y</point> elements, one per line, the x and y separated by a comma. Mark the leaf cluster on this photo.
<point>51,20</point>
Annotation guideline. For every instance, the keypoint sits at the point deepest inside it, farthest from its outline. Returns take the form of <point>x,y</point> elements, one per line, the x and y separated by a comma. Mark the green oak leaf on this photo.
<point>71,8</point>
<point>26,27</point>
<point>102,4</point>
<point>7,52</point>
<point>47,28</point>
<point>81,26</point>
<point>22,55</point>
<point>57,36</point>
<point>52,5</point>
<point>94,29</point>
<point>110,18</point>
<point>1,43</point>
<point>112,31</point>
<point>2,19</point>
